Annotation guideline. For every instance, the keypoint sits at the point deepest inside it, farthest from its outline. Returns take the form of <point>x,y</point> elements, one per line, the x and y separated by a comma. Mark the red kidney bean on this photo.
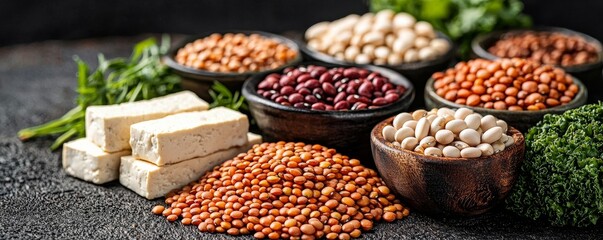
<point>286,90</point>
<point>366,89</point>
<point>325,78</point>
<point>295,98</point>
<point>318,106</point>
<point>319,88</point>
<point>341,105</point>
<point>312,83</point>
<point>329,89</point>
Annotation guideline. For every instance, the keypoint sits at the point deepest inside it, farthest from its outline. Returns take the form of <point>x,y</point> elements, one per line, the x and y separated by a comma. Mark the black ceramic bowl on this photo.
<point>521,120</point>
<point>200,81</point>
<point>416,72</point>
<point>348,131</point>
<point>590,73</point>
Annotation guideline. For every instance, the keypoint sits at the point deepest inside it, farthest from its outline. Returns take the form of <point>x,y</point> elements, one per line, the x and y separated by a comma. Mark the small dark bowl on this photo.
<point>416,72</point>
<point>448,186</point>
<point>200,81</point>
<point>346,130</point>
<point>590,73</point>
<point>522,120</point>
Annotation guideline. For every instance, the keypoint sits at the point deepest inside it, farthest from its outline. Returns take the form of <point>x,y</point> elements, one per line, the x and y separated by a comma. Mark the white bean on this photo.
<point>419,149</point>
<point>488,122</point>
<point>389,133</point>
<point>471,152</point>
<point>498,146</point>
<point>422,128</point>
<point>336,48</point>
<point>356,40</point>
<point>402,118</point>
<point>418,114</point>
<point>411,55</point>
<point>362,59</point>
<point>492,135</point>
<point>401,45</point>
<point>382,52</point>
<point>450,151</point>
<point>470,136</point>
<point>444,136</point>
<point>411,124</point>
<point>380,61</point>
<point>456,126</point>
<point>433,151</point>
<point>502,124</point>
<point>403,133</point>
<point>374,38</point>
<point>424,29</point>
<point>383,26</point>
<point>396,144</point>
<point>473,120</point>
<point>316,30</point>
<point>486,149</point>
<point>440,45</point>
<point>351,52</point>
<point>428,141</point>
<point>420,43</point>
<point>362,27</point>
<point>369,50</point>
<point>427,53</point>
<point>508,140</point>
<point>459,144</point>
<point>431,117</point>
<point>339,56</point>
<point>344,37</point>
<point>462,113</point>
<point>436,124</point>
<point>394,59</point>
<point>404,20</point>
<point>386,14</point>
<point>445,111</point>
<point>409,143</point>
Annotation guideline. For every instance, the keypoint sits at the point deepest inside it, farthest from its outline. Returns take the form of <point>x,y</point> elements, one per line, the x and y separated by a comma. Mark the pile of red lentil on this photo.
<point>286,190</point>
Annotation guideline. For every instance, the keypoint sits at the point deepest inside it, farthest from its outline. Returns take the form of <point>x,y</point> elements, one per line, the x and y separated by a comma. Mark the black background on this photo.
<point>24,21</point>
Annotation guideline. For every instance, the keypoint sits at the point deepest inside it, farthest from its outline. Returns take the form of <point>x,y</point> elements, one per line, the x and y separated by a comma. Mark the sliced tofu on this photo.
<point>184,136</point>
<point>151,181</point>
<point>84,160</point>
<point>109,126</point>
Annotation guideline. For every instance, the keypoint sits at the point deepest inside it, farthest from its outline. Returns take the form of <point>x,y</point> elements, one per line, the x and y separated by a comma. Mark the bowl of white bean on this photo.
<point>393,40</point>
<point>448,162</point>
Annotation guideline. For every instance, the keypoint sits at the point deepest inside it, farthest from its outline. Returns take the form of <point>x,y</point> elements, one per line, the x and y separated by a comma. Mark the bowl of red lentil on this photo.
<point>446,185</point>
<point>577,53</point>
<point>229,57</point>
<point>516,90</point>
<point>325,103</point>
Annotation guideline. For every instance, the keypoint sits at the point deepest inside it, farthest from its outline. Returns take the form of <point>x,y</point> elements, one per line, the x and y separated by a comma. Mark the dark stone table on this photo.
<point>38,200</point>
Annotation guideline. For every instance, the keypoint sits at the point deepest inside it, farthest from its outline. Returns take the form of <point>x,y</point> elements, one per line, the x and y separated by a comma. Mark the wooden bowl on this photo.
<point>200,81</point>
<point>346,130</point>
<point>416,72</point>
<point>448,186</point>
<point>522,120</point>
<point>590,73</point>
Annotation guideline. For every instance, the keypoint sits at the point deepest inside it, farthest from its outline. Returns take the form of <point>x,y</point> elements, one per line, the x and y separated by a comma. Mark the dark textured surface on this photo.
<point>37,199</point>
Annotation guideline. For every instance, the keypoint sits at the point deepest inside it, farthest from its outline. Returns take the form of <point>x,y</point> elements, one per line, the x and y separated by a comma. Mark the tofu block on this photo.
<point>151,181</point>
<point>84,160</point>
<point>183,136</point>
<point>109,126</point>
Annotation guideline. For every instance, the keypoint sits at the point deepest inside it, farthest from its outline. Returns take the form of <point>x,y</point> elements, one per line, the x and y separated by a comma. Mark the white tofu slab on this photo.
<point>184,136</point>
<point>84,160</point>
<point>109,126</point>
<point>151,181</point>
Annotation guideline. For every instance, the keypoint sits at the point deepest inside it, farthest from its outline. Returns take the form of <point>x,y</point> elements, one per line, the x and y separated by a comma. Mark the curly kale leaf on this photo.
<point>561,179</point>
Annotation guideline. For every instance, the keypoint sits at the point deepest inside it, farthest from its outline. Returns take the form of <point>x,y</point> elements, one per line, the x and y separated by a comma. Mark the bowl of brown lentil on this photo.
<point>446,185</point>
<point>518,91</point>
<point>577,53</point>
<point>339,111</point>
<point>229,57</point>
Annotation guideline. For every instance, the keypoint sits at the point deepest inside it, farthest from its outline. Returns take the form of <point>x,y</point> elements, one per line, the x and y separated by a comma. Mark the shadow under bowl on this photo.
<point>416,72</point>
<point>447,186</point>
<point>200,81</point>
<point>348,131</point>
<point>589,73</point>
<point>522,120</point>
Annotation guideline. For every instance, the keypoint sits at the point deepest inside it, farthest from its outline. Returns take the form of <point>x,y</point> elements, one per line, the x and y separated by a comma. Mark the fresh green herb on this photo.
<point>115,81</point>
<point>462,20</point>
<point>561,179</point>
<point>223,97</point>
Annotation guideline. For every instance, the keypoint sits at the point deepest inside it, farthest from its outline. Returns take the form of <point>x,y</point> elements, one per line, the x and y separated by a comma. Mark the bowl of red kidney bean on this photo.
<point>326,103</point>
<point>577,53</point>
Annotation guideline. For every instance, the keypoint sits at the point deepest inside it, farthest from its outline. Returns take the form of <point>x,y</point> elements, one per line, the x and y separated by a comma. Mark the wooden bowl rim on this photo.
<point>249,91</point>
<point>379,141</point>
<point>169,60</point>
<point>578,100</point>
